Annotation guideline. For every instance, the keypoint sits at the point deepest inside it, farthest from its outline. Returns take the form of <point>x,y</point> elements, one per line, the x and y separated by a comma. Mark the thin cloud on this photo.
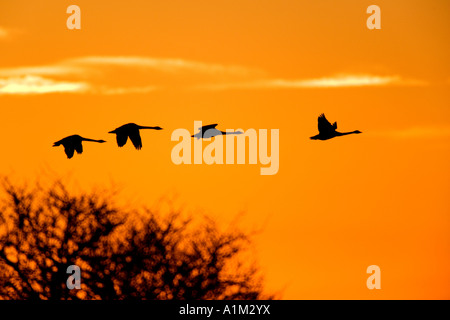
<point>164,64</point>
<point>129,90</point>
<point>38,85</point>
<point>28,85</point>
<point>45,70</point>
<point>97,64</point>
<point>96,73</point>
<point>104,75</point>
<point>324,82</point>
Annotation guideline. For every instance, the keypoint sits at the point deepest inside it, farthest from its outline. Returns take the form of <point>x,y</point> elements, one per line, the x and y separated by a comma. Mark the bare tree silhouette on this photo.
<point>122,255</point>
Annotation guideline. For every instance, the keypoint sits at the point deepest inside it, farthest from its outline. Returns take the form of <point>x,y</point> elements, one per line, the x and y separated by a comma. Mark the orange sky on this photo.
<point>335,207</point>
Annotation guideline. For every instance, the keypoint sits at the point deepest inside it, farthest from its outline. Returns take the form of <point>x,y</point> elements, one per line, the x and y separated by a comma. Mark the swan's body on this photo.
<point>130,130</point>
<point>328,130</point>
<point>210,131</point>
<point>73,143</point>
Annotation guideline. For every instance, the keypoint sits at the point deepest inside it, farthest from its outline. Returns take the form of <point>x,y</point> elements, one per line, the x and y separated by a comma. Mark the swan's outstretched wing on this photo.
<point>207,127</point>
<point>135,138</point>
<point>121,139</point>
<point>324,125</point>
<point>69,149</point>
<point>78,148</point>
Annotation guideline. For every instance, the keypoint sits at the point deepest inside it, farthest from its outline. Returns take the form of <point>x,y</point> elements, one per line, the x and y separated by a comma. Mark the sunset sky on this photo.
<point>334,207</point>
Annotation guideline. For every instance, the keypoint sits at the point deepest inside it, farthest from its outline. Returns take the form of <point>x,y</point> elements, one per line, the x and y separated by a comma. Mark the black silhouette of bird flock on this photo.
<point>131,130</point>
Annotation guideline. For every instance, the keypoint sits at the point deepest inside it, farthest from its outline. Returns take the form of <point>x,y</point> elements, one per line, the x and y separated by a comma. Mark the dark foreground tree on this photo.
<point>122,255</point>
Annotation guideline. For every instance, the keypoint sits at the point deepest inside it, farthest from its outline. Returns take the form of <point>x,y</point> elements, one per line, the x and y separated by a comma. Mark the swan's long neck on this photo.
<point>237,132</point>
<point>144,127</point>
<point>86,139</point>
<point>346,133</point>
